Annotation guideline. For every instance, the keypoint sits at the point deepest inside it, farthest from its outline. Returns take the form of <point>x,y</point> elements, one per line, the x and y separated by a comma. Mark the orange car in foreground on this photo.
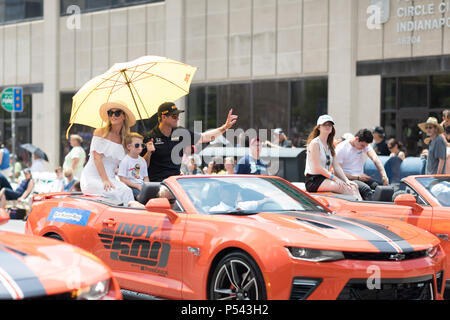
<point>244,237</point>
<point>423,201</point>
<point>36,268</point>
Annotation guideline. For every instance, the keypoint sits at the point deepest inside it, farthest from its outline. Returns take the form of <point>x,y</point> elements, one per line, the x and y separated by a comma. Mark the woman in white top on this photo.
<point>319,158</point>
<point>76,158</point>
<point>106,152</point>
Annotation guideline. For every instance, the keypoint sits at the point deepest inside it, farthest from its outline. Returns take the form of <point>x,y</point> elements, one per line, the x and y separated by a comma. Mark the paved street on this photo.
<point>14,226</point>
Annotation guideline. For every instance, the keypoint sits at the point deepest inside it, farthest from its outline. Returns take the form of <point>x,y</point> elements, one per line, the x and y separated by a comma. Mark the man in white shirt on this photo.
<point>351,155</point>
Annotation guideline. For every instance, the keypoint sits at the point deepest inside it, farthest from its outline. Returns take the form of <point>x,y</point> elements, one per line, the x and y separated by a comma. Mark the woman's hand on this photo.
<point>107,185</point>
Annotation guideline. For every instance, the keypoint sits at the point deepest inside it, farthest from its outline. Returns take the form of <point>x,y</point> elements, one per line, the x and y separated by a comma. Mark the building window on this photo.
<point>408,101</point>
<point>95,5</point>
<point>292,104</point>
<point>19,10</point>
<point>23,130</point>
<point>84,132</point>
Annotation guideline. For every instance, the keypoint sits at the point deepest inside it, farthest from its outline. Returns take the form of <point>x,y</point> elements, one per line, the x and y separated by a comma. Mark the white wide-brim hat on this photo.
<point>117,105</point>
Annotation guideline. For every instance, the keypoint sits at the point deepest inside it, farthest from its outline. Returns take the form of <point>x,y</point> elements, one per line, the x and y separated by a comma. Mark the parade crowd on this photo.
<point>120,162</point>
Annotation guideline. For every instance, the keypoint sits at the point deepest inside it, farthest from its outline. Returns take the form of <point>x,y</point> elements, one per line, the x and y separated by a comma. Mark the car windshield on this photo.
<point>239,195</point>
<point>439,187</point>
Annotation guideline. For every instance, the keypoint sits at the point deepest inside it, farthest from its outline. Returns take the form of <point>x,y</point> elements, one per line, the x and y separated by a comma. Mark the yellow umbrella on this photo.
<point>143,84</point>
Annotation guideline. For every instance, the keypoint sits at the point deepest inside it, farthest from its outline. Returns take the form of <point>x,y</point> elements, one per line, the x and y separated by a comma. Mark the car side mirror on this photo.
<point>409,200</point>
<point>161,205</point>
<point>4,216</point>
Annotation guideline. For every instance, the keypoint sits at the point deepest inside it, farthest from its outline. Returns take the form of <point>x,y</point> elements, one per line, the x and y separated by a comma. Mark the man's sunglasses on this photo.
<point>116,113</point>
<point>172,201</point>
<point>139,145</point>
<point>174,116</point>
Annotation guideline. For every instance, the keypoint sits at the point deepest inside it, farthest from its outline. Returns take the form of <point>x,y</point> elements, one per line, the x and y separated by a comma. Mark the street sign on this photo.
<point>12,99</point>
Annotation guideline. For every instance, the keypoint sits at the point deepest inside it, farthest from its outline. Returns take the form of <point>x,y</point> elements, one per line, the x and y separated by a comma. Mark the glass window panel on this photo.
<point>196,107</point>
<point>14,10</point>
<point>309,100</point>
<point>33,8</point>
<point>240,101</point>
<point>211,108</point>
<point>84,131</point>
<point>96,4</point>
<point>388,122</point>
<point>271,105</point>
<point>440,91</point>
<point>2,11</point>
<point>413,92</point>
<point>65,4</point>
<point>390,94</point>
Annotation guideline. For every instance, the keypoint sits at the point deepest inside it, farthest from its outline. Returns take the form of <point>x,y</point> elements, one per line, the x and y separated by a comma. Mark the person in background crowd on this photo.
<point>445,118</point>
<point>216,166</point>
<point>58,184</point>
<point>21,193</point>
<point>133,168</point>
<point>279,140</point>
<point>396,148</point>
<point>17,168</point>
<point>106,152</point>
<point>76,158</point>
<point>437,148</point>
<point>69,181</point>
<point>379,142</point>
<point>38,164</point>
<point>185,161</point>
<point>191,167</point>
<point>167,136</point>
<point>251,163</point>
<point>5,165</point>
<point>229,165</point>
<point>351,155</point>
<point>447,136</point>
<point>320,157</point>
<point>445,123</point>
<point>345,136</point>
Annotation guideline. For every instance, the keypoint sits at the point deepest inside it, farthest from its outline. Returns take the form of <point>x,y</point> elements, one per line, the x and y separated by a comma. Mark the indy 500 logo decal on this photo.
<point>132,243</point>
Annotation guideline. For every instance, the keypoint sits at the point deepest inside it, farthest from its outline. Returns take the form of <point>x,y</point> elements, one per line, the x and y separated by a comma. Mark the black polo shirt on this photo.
<point>166,159</point>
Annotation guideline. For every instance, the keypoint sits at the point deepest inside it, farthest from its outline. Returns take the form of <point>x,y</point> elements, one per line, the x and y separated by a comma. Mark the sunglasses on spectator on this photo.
<point>172,201</point>
<point>429,127</point>
<point>328,160</point>
<point>139,145</point>
<point>116,113</point>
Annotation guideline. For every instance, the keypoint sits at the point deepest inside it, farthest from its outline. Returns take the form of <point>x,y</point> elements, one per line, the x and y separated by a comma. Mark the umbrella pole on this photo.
<point>134,99</point>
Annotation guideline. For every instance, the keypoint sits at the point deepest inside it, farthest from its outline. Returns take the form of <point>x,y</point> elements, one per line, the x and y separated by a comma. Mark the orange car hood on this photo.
<point>58,267</point>
<point>333,232</point>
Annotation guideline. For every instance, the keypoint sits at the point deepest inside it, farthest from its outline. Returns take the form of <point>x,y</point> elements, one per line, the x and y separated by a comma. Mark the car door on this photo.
<point>143,249</point>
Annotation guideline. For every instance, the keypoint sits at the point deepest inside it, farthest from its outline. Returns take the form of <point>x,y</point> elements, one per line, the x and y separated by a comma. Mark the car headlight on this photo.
<point>94,292</point>
<point>315,255</point>
<point>431,252</point>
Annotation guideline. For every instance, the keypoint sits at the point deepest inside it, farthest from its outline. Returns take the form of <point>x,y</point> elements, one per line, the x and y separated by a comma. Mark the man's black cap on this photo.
<point>168,108</point>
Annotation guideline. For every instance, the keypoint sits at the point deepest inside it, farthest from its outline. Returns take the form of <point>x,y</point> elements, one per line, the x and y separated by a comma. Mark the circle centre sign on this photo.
<point>12,99</point>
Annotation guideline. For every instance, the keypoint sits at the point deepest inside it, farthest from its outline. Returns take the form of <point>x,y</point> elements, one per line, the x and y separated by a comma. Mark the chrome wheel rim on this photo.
<point>235,280</point>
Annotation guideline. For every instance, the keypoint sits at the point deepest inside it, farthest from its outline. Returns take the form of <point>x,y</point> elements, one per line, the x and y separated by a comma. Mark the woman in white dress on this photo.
<point>106,152</point>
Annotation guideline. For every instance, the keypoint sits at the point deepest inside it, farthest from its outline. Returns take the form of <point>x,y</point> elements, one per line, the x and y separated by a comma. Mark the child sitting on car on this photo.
<point>133,168</point>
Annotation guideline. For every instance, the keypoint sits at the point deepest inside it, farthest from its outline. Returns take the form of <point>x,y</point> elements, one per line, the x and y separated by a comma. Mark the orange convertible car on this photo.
<point>36,268</point>
<point>423,201</point>
<point>244,237</point>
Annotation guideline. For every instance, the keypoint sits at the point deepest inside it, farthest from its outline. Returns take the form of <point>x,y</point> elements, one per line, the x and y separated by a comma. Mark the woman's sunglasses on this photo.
<point>116,113</point>
<point>328,160</point>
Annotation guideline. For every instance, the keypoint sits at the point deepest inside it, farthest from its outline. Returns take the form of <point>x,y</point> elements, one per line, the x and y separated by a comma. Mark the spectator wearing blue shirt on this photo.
<point>5,167</point>
<point>251,163</point>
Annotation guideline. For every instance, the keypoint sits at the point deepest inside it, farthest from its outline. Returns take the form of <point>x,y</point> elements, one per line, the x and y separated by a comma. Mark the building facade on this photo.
<point>277,63</point>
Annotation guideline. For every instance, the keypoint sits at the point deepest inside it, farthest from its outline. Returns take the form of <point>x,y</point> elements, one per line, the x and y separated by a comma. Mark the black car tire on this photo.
<point>237,277</point>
